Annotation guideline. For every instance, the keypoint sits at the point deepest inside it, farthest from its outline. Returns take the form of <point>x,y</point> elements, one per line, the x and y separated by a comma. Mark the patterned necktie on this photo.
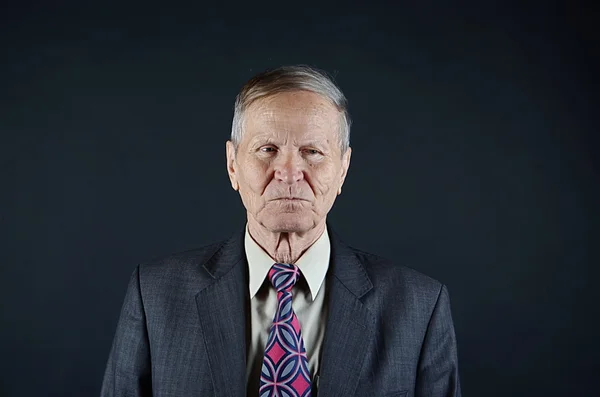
<point>285,366</point>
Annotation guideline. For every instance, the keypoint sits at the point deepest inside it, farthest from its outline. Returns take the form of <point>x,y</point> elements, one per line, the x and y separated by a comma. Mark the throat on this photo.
<point>286,257</point>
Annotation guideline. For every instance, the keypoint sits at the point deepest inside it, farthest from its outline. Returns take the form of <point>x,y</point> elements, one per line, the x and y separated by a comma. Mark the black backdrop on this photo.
<point>474,162</point>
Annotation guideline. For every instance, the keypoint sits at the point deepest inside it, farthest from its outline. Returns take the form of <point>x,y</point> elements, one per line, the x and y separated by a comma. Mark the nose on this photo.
<point>289,169</point>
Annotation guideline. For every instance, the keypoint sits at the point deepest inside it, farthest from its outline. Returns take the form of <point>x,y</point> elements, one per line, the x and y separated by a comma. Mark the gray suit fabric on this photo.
<point>183,328</point>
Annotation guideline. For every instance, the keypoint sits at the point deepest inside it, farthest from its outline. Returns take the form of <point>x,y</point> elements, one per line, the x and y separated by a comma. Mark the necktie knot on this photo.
<point>283,276</point>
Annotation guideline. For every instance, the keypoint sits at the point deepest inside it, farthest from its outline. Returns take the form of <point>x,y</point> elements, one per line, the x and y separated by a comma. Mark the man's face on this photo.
<point>289,167</point>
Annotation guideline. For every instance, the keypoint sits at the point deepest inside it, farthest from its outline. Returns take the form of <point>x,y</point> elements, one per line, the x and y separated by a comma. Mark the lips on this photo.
<point>289,199</point>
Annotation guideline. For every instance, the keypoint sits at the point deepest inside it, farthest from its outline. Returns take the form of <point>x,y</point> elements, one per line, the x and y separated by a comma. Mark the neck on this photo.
<point>284,247</point>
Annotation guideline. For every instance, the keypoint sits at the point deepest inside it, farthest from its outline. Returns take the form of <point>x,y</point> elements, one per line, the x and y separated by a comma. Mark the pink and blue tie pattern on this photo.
<point>285,366</point>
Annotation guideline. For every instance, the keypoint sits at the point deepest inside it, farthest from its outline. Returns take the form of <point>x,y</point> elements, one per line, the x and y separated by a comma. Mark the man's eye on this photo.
<point>267,149</point>
<point>311,151</point>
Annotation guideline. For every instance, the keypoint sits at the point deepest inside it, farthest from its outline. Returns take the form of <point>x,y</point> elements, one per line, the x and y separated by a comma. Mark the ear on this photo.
<point>231,165</point>
<point>345,166</point>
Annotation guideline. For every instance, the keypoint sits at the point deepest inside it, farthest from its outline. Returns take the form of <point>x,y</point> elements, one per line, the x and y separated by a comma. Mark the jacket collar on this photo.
<point>223,307</point>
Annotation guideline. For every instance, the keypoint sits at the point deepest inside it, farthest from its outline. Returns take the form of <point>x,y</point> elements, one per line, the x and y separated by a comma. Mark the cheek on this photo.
<point>255,177</point>
<point>325,180</point>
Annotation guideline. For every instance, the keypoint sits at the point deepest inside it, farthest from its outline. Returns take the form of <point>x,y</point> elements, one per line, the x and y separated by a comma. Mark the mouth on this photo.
<point>289,199</point>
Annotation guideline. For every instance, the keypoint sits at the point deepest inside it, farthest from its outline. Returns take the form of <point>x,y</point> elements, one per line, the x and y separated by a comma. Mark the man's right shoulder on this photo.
<point>181,264</point>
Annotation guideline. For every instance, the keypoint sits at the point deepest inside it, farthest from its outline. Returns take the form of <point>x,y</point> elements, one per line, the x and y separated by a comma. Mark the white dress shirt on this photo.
<point>308,303</point>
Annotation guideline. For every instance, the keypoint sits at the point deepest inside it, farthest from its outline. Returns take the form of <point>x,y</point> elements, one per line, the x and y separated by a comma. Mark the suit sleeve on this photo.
<point>437,374</point>
<point>128,371</point>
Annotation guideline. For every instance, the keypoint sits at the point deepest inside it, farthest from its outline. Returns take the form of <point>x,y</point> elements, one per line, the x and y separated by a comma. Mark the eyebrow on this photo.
<point>261,140</point>
<point>268,140</point>
<point>315,143</point>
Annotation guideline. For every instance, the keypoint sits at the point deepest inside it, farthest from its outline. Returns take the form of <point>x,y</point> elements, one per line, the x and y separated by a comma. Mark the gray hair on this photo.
<point>291,78</point>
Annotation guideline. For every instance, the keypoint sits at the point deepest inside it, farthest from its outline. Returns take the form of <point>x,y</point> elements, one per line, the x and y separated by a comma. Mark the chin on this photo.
<point>289,223</point>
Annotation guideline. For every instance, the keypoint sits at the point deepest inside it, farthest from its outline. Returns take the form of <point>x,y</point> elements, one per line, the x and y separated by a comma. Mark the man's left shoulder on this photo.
<point>387,273</point>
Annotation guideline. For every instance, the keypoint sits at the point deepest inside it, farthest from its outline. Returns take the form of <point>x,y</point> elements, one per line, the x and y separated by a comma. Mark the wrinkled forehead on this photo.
<point>299,109</point>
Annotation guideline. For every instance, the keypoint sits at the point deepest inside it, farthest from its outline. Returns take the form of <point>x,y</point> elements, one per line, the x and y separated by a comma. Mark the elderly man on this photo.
<point>284,307</point>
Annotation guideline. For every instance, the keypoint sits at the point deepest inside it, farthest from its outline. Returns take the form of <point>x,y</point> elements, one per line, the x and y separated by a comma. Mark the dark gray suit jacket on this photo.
<point>182,329</point>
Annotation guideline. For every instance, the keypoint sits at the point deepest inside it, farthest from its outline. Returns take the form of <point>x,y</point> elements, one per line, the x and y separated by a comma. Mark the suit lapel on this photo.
<point>222,306</point>
<point>350,326</point>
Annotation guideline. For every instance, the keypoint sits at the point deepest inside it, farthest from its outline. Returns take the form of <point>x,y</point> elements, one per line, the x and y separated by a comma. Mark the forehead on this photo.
<point>300,111</point>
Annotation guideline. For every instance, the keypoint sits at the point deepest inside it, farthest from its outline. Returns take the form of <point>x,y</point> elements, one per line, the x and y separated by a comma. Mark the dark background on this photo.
<point>474,162</point>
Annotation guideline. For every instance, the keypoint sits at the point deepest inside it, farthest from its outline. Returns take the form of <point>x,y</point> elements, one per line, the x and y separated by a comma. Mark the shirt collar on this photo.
<point>313,263</point>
